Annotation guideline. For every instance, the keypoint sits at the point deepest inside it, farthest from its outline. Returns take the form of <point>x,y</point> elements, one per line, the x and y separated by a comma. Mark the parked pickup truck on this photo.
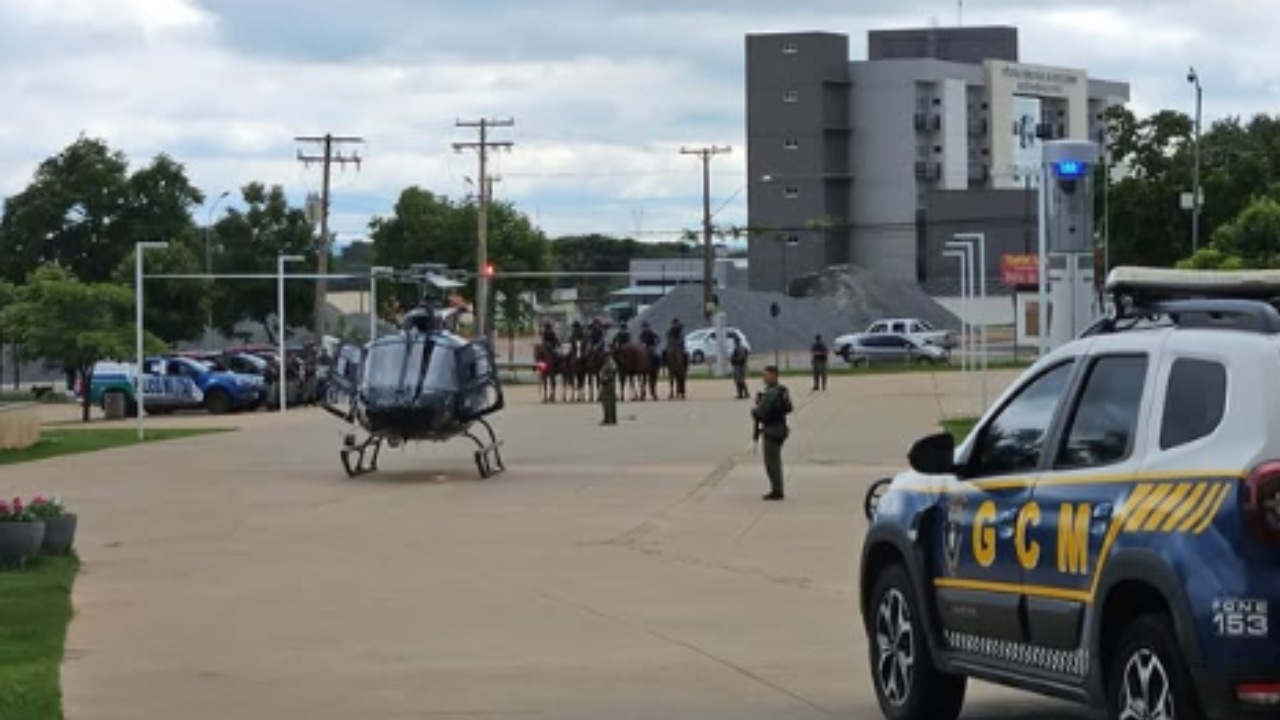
<point>177,383</point>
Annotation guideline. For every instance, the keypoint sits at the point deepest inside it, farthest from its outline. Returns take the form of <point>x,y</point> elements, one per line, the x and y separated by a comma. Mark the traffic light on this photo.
<point>488,270</point>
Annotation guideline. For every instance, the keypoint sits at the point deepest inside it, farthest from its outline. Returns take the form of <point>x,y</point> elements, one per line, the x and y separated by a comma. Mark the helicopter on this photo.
<point>425,382</point>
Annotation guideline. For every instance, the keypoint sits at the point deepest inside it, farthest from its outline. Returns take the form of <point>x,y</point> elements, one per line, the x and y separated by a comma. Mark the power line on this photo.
<point>328,159</point>
<point>485,187</point>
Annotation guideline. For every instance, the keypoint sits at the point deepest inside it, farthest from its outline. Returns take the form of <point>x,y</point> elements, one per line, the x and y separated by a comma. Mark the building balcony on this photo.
<point>927,122</point>
<point>928,170</point>
<point>978,126</point>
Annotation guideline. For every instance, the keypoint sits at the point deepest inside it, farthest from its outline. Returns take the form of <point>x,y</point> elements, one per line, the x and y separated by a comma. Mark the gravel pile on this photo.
<point>840,300</point>
<point>868,297</point>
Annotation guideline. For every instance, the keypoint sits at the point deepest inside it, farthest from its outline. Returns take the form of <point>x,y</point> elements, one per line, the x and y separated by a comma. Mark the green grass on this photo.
<point>959,427</point>
<point>68,442</point>
<point>35,606</point>
<point>25,396</point>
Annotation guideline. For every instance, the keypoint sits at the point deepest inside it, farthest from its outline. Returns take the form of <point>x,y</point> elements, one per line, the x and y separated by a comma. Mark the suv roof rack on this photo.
<point>1244,300</point>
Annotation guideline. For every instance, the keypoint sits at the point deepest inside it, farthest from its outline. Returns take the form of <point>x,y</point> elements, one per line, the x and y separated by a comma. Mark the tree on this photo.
<point>58,317</point>
<point>428,228</point>
<point>249,241</point>
<point>84,211</point>
<point>602,253</point>
<point>1252,240</point>
<point>174,309</point>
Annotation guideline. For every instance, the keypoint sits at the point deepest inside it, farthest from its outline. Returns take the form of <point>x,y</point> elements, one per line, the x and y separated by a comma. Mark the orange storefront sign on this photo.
<point>1020,269</point>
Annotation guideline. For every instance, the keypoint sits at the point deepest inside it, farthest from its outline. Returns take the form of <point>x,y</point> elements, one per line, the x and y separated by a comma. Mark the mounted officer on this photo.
<point>576,333</point>
<point>550,340</point>
<point>675,334</point>
<point>622,338</point>
<point>650,340</point>
<point>595,334</point>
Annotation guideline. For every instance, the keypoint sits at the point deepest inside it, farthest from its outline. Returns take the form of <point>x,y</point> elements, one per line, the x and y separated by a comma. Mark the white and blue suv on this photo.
<point>1109,531</point>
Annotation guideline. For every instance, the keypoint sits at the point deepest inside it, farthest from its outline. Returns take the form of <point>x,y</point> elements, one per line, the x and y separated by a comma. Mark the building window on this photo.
<point>791,144</point>
<point>791,96</point>
<point>790,48</point>
<point>791,192</point>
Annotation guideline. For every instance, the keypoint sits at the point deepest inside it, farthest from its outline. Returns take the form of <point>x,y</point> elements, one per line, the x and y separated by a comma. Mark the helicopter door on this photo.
<point>344,375</point>
<point>480,391</point>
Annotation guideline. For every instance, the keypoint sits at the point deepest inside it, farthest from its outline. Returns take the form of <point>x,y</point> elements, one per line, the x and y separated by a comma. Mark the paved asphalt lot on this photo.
<point>627,572</point>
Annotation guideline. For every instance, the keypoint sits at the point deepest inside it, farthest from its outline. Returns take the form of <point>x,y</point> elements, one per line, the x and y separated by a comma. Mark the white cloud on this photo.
<point>603,92</point>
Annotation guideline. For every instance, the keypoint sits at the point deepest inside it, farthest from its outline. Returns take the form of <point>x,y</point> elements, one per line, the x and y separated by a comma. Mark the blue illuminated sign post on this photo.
<point>1066,231</point>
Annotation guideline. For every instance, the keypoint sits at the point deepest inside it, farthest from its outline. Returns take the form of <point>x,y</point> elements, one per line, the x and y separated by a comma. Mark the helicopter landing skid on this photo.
<point>488,456</point>
<point>368,449</point>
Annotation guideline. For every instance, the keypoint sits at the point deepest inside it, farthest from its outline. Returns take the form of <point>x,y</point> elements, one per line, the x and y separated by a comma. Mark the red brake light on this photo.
<point>1259,693</point>
<point>1261,506</point>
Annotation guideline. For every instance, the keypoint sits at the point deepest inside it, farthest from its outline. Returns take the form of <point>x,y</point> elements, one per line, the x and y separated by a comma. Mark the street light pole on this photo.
<point>980,239</point>
<point>374,273</point>
<point>139,388</point>
<point>1194,78</point>
<point>282,383</point>
<point>208,252</point>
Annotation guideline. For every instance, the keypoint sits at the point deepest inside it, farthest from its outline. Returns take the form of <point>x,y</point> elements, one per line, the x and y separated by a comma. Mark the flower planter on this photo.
<point>59,534</point>
<point>19,541</point>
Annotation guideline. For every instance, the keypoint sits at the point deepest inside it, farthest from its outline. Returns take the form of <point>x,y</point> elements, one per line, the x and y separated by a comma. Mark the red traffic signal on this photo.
<point>488,270</point>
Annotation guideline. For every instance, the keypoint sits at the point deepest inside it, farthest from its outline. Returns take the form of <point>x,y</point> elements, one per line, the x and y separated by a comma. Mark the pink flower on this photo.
<point>38,500</point>
<point>17,505</point>
<point>4,508</point>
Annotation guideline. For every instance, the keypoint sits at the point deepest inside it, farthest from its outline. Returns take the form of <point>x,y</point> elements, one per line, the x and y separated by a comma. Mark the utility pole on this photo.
<point>328,158</point>
<point>708,259</point>
<point>482,223</point>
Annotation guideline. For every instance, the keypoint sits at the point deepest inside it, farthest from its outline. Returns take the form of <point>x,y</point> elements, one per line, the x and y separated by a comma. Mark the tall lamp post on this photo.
<point>283,381</point>
<point>140,390</point>
<point>1194,78</point>
<point>208,252</point>
<point>375,272</point>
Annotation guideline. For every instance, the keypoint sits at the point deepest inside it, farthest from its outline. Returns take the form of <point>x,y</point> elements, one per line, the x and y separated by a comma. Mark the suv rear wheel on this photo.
<point>908,685</point>
<point>1149,680</point>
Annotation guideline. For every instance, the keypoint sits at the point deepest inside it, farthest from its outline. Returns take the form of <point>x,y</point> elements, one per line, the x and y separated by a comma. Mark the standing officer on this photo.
<point>819,351</point>
<point>771,410</point>
<point>738,359</point>
<point>608,393</point>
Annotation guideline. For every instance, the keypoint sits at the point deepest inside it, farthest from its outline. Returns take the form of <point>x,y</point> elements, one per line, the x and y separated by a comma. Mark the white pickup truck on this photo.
<point>911,327</point>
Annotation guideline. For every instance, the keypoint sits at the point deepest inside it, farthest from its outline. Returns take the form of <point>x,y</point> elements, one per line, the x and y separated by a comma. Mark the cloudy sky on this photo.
<point>603,92</point>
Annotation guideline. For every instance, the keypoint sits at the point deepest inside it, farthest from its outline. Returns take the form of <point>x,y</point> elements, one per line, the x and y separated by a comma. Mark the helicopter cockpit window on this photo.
<point>386,365</point>
<point>442,371</point>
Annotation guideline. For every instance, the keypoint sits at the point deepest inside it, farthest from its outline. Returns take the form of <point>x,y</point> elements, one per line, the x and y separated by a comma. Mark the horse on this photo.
<point>575,363</point>
<point>676,360</point>
<point>590,368</point>
<point>550,366</point>
<point>633,361</point>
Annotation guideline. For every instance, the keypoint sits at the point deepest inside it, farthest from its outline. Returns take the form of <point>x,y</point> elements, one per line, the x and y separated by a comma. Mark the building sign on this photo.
<point>1031,80</point>
<point>1020,269</point>
<point>1025,150</point>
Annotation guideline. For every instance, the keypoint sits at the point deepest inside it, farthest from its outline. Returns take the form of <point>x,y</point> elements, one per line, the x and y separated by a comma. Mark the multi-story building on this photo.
<point>879,162</point>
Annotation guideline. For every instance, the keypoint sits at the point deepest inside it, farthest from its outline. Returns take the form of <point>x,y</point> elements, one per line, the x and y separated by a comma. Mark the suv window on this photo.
<point>1105,420</point>
<point>1195,401</point>
<point>1013,440</point>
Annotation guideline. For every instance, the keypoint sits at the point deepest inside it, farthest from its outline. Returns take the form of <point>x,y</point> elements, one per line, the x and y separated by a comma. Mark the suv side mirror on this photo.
<point>933,455</point>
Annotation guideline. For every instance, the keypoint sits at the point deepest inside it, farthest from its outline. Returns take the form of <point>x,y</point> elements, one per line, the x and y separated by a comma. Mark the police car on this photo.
<point>1109,532</point>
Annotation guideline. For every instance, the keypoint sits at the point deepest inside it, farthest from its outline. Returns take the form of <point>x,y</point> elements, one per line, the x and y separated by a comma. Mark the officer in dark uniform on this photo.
<point>622,337</point>
<point>819,352</point>
<point>608,391</point>
<point>675,334</point>
<point>650,340</point>
<point>738,360</point>
<point>771,410</point>
<point>549,338</point>
<point>595,334</point>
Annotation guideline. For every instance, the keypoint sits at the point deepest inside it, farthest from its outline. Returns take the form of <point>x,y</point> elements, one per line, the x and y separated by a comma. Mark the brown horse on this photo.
<point>676,361</point>
<point>634,361</point>
<point>550,368</point>
<point>589,371</point>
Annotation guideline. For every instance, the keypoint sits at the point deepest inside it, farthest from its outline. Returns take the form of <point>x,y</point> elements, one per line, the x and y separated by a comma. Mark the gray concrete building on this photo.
<point>878,162</point>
